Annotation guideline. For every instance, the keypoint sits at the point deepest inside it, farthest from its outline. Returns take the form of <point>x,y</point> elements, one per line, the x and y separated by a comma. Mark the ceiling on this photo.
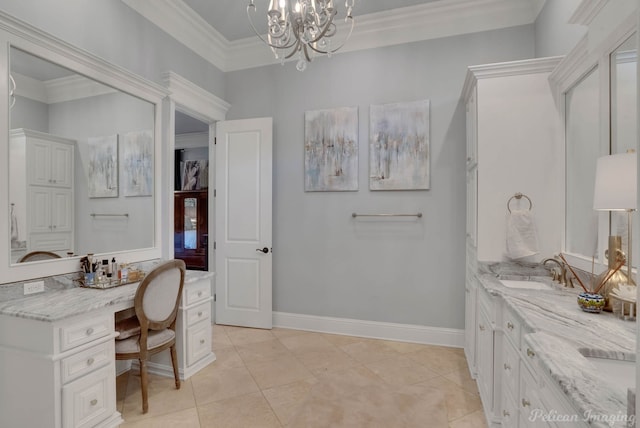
<point>229,17</point>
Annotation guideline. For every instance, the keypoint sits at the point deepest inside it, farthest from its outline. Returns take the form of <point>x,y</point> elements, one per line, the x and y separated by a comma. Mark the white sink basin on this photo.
<point>531,285</point>
<point>620,373</point>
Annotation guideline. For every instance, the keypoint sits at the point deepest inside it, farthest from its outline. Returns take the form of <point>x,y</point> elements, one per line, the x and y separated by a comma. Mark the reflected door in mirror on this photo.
<point>191,227</point>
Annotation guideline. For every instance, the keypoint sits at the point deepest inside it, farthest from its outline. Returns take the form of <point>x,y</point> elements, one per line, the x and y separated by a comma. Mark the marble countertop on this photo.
<point>560,333</point>
<point>63,298</point>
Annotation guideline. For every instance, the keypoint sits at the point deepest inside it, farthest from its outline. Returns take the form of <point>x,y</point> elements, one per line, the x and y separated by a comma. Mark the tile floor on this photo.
<point>265,378</point>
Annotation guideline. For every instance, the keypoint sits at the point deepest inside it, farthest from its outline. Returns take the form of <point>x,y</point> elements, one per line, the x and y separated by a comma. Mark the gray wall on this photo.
<point>554,36</point>
<point>401,271</point>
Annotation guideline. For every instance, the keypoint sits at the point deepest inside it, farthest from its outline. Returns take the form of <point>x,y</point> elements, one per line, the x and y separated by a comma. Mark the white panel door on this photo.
<point>243,222</point>
<point>40,209</point>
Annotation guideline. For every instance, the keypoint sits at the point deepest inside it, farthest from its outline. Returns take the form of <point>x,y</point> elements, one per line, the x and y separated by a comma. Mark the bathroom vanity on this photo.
<point>538,354</point>
<point>57,350</point>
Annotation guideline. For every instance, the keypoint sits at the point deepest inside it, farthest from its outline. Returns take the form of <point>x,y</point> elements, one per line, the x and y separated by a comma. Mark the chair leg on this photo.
<point>143,385</point>
<point>174,361</point>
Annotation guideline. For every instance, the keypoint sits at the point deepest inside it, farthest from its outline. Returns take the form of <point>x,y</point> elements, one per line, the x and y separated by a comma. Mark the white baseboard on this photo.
<point>371,329</point>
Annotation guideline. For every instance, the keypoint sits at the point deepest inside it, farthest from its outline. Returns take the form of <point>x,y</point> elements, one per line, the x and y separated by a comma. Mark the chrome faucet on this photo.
<point>559,274</point>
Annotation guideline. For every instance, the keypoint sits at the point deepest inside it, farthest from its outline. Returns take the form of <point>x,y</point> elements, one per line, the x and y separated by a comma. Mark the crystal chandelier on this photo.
<point>302,27</point>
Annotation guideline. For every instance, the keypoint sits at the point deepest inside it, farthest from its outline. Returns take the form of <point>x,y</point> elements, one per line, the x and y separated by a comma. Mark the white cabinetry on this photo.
<point>513,145</point>
<point>42,190</point>
<point>193,342</point>
<point>62,374</point>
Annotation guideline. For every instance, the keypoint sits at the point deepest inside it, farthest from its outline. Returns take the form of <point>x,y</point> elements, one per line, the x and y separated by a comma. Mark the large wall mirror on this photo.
<point>600,118</point>
<point>81,153</point>
<point>104,143</point>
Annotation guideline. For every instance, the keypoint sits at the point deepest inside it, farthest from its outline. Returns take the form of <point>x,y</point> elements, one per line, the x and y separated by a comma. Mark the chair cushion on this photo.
<point>127,328</point>
<point>155,339</point>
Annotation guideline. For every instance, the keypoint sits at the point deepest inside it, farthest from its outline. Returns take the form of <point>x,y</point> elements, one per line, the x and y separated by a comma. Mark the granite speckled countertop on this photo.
<point>560,333</point>
<point>63,298</point>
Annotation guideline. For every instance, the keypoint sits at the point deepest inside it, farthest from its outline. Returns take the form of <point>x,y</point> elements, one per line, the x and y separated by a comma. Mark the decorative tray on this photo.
<point>111,282</point>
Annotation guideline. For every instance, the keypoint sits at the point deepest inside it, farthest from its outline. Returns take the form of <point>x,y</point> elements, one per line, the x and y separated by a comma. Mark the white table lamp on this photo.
<point>616,190</point>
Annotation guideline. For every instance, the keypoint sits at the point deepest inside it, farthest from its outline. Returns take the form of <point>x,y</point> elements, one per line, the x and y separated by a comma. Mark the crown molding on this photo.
<point>186,26</point>
<point>431,20</point>
<point>194,100</point>
<point>505,69</point>
<point>59,90</point>
<point>587,11</point>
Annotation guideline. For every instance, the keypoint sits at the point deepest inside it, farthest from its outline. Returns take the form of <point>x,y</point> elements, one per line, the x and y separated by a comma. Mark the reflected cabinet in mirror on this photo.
<point>81,176</point>
<point>582,138</point>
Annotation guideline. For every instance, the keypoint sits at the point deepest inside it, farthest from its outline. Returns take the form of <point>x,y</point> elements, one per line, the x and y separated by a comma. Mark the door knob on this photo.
<point>263,250</point>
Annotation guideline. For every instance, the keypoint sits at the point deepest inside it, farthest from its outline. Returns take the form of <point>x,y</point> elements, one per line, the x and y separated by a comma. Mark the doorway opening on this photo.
<point>191,192</point>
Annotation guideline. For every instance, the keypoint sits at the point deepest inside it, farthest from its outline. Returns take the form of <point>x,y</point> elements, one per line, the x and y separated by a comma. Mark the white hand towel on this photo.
<point>522,234</point>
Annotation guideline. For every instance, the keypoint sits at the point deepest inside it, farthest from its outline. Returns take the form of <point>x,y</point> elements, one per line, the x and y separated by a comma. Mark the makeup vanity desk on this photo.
<point>57,356</point>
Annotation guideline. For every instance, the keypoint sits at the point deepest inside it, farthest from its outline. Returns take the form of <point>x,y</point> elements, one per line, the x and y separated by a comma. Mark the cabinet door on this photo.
<point>472,206</point>
<point>470,322</point>
<point>39,159</point>
<point>484,359</point>
<point>40,209</point>
<point>61,165</point>
<point>61,210</point>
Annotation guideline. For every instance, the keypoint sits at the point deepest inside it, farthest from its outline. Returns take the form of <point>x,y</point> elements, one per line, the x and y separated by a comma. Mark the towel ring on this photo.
<point>519,196</point>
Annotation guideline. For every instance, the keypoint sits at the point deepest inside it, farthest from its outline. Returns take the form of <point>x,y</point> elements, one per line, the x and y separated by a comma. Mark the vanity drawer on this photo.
<point>199,313</point>
<point>90,399</point>
<point>198,343</point>
<point>87,361</point>
<point>197,292</point>
<point>85,331</point>
<point>511,327</point>
<point>510,368</point>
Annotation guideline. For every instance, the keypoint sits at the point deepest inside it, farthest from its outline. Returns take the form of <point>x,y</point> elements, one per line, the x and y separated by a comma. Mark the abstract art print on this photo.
<point>331,150</point>
<point>137,163</point>
<point>194,174</point>
<point>102,166</point>
<point>399,146</point>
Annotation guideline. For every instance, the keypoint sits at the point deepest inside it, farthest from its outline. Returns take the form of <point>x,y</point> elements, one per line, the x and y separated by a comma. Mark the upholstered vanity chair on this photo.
<point>38,255</point>
<point>152,330</point>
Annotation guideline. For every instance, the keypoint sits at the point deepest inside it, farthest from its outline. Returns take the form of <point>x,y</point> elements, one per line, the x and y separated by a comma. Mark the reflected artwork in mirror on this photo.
<point>57,116</point>
<point>583,148</point>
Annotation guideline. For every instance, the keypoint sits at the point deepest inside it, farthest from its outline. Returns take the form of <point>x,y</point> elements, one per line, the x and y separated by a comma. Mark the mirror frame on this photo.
<point>593,50</point>
<point>21,35</point>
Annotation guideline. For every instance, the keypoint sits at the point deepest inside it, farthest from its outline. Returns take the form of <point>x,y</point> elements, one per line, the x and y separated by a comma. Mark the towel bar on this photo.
<point>354,215</point>
<point>109,215</point>
<point>519,196</point>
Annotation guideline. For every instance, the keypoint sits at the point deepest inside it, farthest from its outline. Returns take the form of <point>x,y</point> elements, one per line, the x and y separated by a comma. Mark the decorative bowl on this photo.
<point>590,302</point>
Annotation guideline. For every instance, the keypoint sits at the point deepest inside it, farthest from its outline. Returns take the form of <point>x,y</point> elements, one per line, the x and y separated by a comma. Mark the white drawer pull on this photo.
<point>200,313</point>
<point>525,403</point>
<point>530,353</point>
<point>505,414</point>
<point>202,341</point>
<point>89,331</point>
<point>94,402</point>
<point>507,366</point>
<point>90,361</point>
<point>199,293</point>
<point>481,327</point>
<point>510,326</point>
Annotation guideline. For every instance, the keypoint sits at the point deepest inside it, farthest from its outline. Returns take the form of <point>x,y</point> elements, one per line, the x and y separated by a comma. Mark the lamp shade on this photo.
<point>616,183</point>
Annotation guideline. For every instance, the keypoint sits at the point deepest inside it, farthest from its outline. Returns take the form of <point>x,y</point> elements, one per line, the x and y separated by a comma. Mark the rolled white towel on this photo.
<point>522,234</point>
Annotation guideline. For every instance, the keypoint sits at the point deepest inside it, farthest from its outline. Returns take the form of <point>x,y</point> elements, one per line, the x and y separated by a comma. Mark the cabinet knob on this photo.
<point>530,353</point>
<point>202,341</point>
<point>94,402</point>
<point>507,366</point>
<point>510,325</point>
<point>200,314</point>
<point>199,293</point>
<point>90,361</point>
<point>506,414</point>
<point>89,331</point>
<point>481,327</point>
<point>525,402</point>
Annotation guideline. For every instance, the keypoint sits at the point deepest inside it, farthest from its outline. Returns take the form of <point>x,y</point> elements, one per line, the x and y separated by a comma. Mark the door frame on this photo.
<point>191,99</point>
